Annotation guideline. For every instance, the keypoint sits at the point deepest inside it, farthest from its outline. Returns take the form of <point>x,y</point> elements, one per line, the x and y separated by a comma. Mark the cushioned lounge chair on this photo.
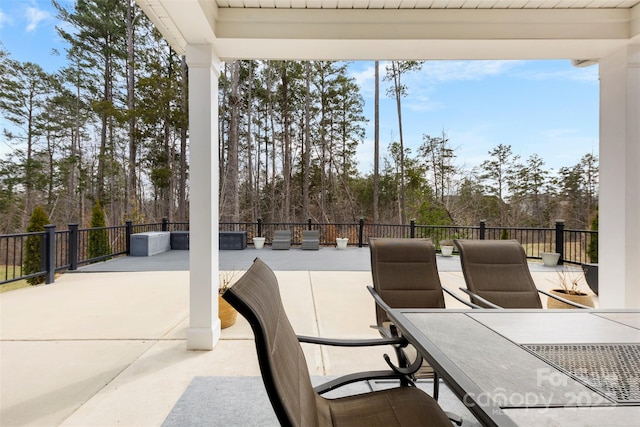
<point>310,240</point>
<point>405,275</point>
<point>497,275</point>
<point>281,240</point>
<point>284,368</point>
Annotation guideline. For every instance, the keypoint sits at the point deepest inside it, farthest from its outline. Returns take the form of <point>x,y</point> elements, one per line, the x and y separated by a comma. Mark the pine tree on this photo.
<point>99,40</point>
<point>98,236</point>
<point>32,262</point>
<point>395,71</point>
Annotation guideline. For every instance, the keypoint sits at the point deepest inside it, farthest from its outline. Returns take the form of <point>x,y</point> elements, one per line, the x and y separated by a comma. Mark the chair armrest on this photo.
<point>566,301</point>
<point>378,299</point>
<point>354,378</point>
<point>479,298</point>
<point>353,343</point>
<point>454,295</point>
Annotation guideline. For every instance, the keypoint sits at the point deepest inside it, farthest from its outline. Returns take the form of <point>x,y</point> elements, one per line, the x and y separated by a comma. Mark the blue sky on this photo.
<point>549,108</point>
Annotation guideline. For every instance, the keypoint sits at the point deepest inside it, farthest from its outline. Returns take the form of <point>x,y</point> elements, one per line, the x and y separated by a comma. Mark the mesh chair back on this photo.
<point>405,274</point>
<point>282,363</point>
<point>497,271</point>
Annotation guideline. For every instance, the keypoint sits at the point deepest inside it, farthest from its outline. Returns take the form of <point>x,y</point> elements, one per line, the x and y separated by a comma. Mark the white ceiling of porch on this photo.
<point>399,29</point>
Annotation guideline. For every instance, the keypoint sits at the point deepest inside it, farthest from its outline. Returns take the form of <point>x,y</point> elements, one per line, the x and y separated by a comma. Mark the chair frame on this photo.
<point>264,356</point>
<point>432,290</point>
<point>477,299</point>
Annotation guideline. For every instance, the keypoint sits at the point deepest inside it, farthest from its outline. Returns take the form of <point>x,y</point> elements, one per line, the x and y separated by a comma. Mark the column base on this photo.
<point>203,338</point>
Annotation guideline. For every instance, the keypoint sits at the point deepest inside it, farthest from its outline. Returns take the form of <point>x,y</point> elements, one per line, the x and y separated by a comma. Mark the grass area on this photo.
<point>13,285</point>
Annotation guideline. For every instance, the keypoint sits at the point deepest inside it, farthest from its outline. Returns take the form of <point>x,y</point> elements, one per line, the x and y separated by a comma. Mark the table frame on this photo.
<point>486,411</point>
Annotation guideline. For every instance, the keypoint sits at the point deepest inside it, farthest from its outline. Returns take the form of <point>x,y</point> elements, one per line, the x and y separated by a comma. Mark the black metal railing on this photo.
<point>69,249</point>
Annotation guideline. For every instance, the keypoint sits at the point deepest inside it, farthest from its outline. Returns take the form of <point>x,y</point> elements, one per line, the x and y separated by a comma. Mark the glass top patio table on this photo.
<point>534,367</point>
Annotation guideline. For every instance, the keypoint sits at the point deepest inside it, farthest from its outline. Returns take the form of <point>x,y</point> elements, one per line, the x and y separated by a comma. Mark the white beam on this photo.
<point>229,49</point>
<point>369,34</point>
<point>421,34</point>
<point>183,21</point>
<point>619,220</point>
<point>204,71</point>
<point>423,24</point>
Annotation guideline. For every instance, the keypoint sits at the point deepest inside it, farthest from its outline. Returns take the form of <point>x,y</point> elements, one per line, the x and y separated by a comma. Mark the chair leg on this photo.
<point>455,418</point>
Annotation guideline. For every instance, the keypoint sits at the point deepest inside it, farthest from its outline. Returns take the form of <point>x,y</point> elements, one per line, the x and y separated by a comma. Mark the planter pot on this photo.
<point>591,276</point>
<point>550,259</point>
<point>226,313</point>
<point>342,242</point>
<point>258,242</point>
<point>581,298</point>
<point>446,250</point>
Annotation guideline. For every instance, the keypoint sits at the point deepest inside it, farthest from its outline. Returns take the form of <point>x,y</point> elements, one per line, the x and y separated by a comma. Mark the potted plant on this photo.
<point>591,268</point>
<point>569,290</point>
<point>226,312</point>
<point>341,242</point>
<point>446,247</point>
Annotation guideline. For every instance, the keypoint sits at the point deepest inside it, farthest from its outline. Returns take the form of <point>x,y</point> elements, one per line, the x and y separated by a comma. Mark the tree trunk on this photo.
<point>286,142</point>
<point>307,142</point>
<point>232,151</point>
<point>130,195</point>
<point>182,186</point>
<point>376,146</point>
<point>398,91</point>
<point>250,184</point>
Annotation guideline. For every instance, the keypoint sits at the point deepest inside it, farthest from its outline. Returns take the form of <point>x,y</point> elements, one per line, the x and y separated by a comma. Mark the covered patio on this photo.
<point>602,32</point>
<point>106,345</point>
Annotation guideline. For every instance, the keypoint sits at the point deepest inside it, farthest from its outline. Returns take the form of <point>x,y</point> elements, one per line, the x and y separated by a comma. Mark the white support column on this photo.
<point>204,70</point>
<point>619,219</point>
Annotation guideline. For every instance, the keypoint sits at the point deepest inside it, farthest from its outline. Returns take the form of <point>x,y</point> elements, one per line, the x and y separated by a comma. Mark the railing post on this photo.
<point>73,246</point>
<point>483,228</point>
<point>560,240</point>
<point>127,239</point>
<point>412,229</point>
<point>165,224</point>
<point>309,224</point>
<point>260,227</point>
<point>50,253</point>
<point>360,232</point>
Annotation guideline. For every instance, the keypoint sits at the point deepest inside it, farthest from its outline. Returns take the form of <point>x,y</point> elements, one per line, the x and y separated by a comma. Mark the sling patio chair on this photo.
<point>281,240</point>
<point>286,378</point>
<point>497,275</point>
<point>310,240</point>
<point>405,275</point>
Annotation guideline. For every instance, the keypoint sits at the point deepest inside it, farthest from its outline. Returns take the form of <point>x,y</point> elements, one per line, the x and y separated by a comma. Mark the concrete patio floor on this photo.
<point>109,348</point>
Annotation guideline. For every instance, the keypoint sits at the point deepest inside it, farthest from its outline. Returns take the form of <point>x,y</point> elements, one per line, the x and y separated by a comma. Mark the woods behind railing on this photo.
<point>68,249</point>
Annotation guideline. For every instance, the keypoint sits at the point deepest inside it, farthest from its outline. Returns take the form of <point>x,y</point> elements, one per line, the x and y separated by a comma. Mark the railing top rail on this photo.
<point>107,227</point>
<point>30,233</point>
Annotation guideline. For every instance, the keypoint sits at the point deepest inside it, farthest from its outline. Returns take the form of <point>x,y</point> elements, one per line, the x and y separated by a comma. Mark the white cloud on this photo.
<point>422,104</point>
<point>446,71</point>
<point>431,74</point>
<point>364,75</point>
<point>34,17</point>
<point>4,19</point>
<point>587,74</point>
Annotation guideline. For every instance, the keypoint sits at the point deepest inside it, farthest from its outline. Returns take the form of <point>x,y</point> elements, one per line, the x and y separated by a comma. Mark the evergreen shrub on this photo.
<point>98,239</point>
<point>32,261</point>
